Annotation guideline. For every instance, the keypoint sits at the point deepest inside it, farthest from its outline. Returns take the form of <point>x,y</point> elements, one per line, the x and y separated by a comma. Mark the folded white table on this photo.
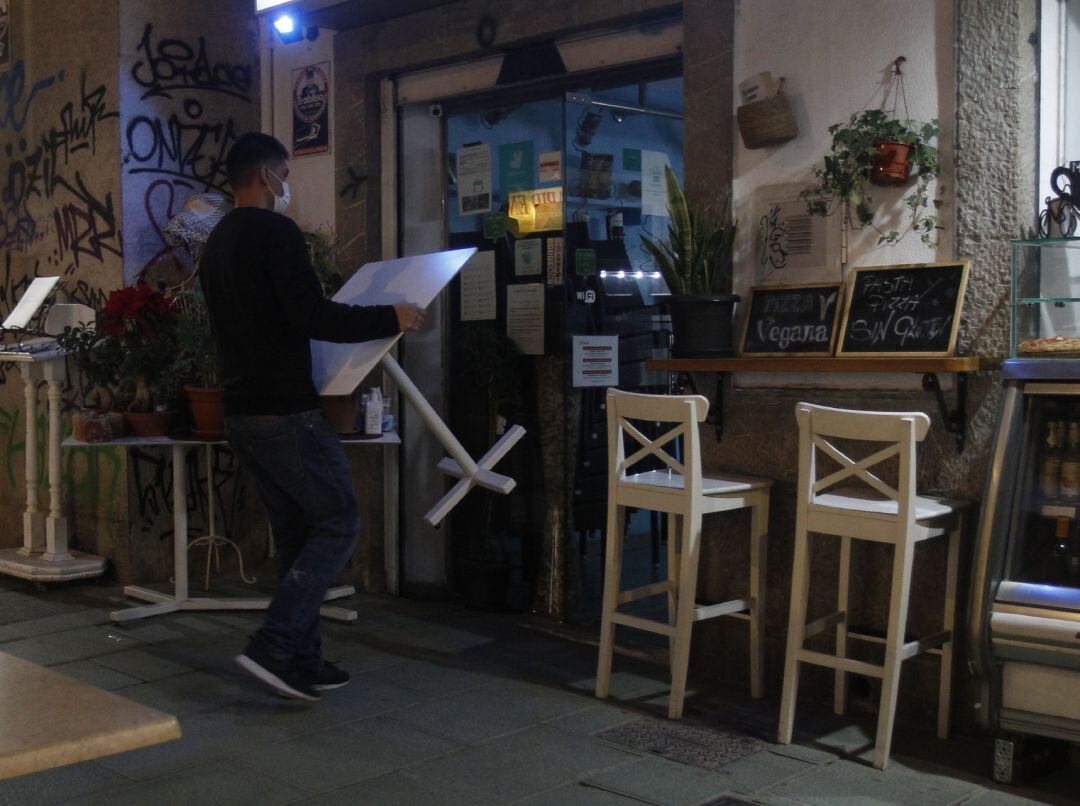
<point>180,599</point>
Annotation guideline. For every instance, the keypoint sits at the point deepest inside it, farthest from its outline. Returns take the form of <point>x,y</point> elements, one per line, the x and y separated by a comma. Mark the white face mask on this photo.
<point>281,203</point>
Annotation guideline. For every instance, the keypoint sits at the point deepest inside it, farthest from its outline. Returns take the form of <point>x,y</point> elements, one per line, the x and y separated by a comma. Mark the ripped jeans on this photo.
<point>304,480</point>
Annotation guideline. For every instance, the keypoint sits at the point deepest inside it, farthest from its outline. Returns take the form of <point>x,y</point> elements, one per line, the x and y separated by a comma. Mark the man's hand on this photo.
<point>410,317</point>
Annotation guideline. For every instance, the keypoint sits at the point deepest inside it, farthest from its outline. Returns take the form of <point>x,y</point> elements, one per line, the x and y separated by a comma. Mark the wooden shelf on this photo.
<point>825,364</point>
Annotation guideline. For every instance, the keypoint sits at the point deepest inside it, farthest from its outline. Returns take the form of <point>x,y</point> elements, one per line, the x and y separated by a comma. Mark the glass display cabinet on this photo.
<point>1024,625</point>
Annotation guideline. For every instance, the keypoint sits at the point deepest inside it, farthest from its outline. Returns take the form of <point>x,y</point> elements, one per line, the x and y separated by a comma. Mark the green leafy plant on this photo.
<point>323,251</point>
<point>696,258</point>
<point>99,358</point>
<point>843,181</point>
<point>196,348</point>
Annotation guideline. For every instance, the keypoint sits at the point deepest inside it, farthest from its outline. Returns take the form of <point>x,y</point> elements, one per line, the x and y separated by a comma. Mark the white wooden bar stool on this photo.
<point>893,515</point>
<point>681,491</point>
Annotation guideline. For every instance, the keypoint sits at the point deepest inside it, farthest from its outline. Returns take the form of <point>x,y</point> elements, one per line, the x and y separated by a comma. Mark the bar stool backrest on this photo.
<point>898,431</point>
<point>681,412</point>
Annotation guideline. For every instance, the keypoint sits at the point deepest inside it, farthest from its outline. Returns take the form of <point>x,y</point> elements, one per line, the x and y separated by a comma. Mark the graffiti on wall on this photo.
<point>193,103</point>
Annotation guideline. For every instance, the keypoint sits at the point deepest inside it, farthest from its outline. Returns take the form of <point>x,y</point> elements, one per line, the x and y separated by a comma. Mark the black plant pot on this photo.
<point>702,326</point>
<point>486,584</point>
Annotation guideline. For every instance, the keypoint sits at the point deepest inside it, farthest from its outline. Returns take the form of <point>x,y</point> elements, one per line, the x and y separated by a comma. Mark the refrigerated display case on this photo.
<point>1024,626</point>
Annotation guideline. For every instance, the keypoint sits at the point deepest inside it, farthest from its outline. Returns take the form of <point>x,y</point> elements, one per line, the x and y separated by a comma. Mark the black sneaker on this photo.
<point>327,676</point>
<point>278,674</point>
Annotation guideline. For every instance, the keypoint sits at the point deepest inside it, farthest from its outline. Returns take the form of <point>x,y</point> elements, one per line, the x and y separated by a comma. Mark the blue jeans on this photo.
<point>304,480</point>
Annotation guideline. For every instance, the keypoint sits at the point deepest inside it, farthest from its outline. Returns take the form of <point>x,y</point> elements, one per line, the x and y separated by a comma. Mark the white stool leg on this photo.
<point>800,589</point>
<point>612,579</point>
<point>674,558</point>
<point>945,684</point>
<point>759,529</point>
<point>903,554</point>
<point>840,684</point>
<point>684,624</point>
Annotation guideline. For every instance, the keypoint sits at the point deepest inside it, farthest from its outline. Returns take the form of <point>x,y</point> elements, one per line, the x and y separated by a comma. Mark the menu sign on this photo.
<point>786,320</point>
<point>904,310</point>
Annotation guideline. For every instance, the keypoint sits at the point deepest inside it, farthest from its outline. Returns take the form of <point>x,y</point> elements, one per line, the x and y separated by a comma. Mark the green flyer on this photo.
<point>494,225</point>
<point>585,262</point>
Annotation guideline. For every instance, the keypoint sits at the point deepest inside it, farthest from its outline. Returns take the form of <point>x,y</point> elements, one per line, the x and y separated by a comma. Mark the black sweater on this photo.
<point>265,305</point>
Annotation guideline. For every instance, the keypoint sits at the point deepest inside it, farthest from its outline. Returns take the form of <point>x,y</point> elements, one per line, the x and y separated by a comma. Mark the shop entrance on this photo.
<point>556,189</point>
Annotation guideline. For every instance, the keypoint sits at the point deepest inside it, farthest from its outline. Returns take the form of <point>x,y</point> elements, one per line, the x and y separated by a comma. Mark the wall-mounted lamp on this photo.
<point>288,29</point>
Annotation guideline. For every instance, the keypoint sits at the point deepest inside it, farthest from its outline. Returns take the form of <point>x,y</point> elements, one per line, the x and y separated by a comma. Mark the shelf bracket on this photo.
<point>681,381</point>
<point>955,420</point>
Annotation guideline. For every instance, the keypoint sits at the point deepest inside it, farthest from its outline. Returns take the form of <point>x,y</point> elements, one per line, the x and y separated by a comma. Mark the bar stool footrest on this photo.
<point>729,608</point>
<point>645,591</point>
<point>819,626</point>
<point>841,664</point>
<point>638,623</point>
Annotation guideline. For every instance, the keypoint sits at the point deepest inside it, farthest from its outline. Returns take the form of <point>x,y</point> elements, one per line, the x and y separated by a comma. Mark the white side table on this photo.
<point>44,555</point>
<point>180,599</point>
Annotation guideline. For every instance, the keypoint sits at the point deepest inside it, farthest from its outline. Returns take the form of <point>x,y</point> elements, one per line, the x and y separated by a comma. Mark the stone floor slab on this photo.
<point>70,645</point>
<point>478,714</point>
<point>399,789</point>
<point>215,784</point>
<point>657,780</point>
<point>763,770</point>
<point>580,795</point>
<point>431,678</point>
<point>187,694</point>
<point>523,764</point>
<point>53,786</point>
<point>145,665</point>
<point>95,674</point>
<point>51,624</point>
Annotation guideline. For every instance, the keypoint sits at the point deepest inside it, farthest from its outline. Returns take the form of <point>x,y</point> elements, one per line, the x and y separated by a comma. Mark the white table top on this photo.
<point>387,438</point>
<point>41,348</point>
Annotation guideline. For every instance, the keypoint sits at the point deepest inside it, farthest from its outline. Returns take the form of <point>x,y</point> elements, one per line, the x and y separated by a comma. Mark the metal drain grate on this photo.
<point>695,747</point>
<point>15,607</point>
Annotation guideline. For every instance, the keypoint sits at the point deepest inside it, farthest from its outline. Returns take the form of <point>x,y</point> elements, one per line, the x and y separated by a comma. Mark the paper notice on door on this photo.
<point>596,361</point>
<point>474,179</point>
<point>478,288</point>
<point>654,200</point>
<point>528,258</point>
<point>525,317</point>
<point>554,261</point>
<point>550,167</point>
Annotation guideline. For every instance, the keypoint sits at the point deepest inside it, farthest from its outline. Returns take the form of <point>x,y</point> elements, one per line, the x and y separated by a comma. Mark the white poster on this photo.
<point>478,287</point>
<point>654,200</point>
<point>550,166</point>
<point>528,258</point>
<point>525,317</point>
<point>474,179</point>
<point>596,360</point>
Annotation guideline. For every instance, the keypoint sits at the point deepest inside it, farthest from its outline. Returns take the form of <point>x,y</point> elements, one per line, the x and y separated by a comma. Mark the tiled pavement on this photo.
<point>450,708</point>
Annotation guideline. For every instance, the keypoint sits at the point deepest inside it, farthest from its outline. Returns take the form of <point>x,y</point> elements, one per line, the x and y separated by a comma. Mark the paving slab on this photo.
<point>206,738</point>
<point>399,789</point>
<point>70,645</point>
<point>187,694</point>
<point>51,624</point>
<point>144,665</point>
<point>579,794</point>
<point>593,719</point>
<point>94,674</point>
<point>53,786</point>
<point>763,770</point>
<point>335,758</point>
<point>523,764</point>
<point>657,780</point>
<point>215,784</point>
<point>627,686</point>
<point>858,782</point>
<point>430,678</point>
<point>481,713</point>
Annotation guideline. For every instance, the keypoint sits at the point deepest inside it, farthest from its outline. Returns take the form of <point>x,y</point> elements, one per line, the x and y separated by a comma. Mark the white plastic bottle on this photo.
<point>373,413</point>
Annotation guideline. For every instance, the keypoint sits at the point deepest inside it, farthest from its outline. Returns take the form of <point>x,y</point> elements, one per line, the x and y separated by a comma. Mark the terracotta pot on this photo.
<point>892,165</point>
<point>92,425</point>
<point>342,411</point>
<point>208,410</point>
<point>148,423</point>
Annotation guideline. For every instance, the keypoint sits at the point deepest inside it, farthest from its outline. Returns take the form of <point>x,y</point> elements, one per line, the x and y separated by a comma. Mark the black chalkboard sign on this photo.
<point>791,320</point>
<point>904,310</point>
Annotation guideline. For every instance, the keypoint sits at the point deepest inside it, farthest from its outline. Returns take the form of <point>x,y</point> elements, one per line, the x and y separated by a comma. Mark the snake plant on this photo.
<point>696,259</point>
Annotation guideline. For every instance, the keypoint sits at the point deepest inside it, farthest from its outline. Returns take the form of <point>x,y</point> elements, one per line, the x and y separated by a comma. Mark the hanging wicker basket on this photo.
<point>767,122</point>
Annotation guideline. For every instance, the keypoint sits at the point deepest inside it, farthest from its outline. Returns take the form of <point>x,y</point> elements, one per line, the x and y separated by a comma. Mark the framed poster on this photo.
<point>787,320</point>
<point>5,35</point>
<point>311,110</point>
<point>912,309</point>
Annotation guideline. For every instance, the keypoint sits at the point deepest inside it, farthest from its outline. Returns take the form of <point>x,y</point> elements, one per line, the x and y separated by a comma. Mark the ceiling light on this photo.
<point>288,30</point>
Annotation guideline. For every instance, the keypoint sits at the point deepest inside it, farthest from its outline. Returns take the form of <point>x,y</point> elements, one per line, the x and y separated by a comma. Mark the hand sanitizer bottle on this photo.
<point>373,413</point>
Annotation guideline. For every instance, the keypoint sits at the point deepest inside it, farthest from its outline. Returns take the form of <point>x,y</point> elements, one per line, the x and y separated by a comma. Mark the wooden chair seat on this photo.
<point>926,507</point>
<point>667,479</point>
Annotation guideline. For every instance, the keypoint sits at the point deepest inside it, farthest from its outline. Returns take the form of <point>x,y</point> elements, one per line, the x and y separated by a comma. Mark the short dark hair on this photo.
<point>249,153</point>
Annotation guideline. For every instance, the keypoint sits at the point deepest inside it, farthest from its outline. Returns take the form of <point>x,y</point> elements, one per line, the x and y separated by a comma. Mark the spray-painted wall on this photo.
<point>60,215</point>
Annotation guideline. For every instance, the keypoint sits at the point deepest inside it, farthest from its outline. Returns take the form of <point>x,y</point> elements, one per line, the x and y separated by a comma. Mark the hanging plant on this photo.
<point>876,147</point>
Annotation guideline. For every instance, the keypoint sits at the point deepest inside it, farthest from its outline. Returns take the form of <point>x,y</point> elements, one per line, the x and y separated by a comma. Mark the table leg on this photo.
<point>33,519</point>
<point>56,537</point>
<point>180,523</point>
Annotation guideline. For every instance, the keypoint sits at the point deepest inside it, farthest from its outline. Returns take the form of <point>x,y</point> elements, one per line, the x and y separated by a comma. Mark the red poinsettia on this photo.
<point>136,309</point>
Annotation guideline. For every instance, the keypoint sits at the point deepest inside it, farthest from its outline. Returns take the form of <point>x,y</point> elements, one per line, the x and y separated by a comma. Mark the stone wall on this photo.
<point>60,215</point>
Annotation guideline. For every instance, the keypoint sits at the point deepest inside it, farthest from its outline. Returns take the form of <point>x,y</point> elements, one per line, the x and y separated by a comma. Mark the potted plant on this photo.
<point>876,148</point>
<point>98,358</point>
<point>143,322</point>
<point>696,265</point>
<point>197,364</point>
<point>488,365</point>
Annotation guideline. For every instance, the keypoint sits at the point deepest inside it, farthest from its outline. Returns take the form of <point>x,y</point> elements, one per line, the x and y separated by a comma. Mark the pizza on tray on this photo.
<point>1053,344</point>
